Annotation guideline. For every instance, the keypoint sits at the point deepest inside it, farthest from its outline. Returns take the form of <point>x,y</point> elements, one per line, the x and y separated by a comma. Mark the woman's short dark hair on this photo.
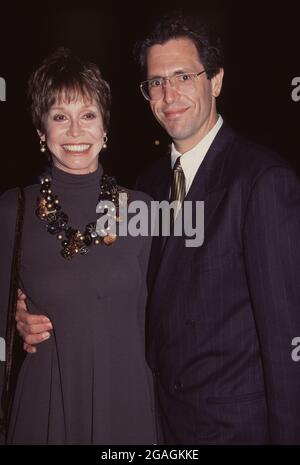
<point>63,75</point>
<point>178,26</point>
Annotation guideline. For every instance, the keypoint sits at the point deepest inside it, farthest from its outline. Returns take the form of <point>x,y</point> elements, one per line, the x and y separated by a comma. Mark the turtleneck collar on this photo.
<point>76,180</point>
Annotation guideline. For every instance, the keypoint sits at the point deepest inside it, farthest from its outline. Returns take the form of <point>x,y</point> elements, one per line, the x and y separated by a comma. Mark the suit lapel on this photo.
<point>160,192</point>
<point>209,185</point>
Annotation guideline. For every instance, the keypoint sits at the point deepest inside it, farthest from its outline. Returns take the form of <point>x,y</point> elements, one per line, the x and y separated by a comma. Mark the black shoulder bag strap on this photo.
<point>14,345</point>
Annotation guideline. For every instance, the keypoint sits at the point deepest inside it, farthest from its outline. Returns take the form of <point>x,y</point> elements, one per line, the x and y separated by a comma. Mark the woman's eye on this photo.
<point>59,117</point>
<point>89,115</point>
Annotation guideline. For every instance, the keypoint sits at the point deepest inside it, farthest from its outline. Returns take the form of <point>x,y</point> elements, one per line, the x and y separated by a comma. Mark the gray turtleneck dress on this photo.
<point>88,383</point>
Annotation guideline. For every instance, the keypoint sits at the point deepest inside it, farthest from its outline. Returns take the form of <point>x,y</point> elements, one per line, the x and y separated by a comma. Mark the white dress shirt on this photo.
<point>191,160</point>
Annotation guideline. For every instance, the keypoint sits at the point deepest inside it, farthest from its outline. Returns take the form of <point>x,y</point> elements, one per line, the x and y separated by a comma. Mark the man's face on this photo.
<point>186,118</point>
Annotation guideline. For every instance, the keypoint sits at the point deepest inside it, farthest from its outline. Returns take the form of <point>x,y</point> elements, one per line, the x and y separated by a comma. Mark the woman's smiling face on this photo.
<point>73,131</point>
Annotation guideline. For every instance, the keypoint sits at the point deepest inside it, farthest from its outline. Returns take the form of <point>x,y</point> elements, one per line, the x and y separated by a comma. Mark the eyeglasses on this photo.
<point>153,89</point>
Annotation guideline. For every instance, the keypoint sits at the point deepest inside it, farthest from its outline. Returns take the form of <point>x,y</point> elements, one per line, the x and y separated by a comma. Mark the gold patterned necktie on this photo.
<point>178,185</point>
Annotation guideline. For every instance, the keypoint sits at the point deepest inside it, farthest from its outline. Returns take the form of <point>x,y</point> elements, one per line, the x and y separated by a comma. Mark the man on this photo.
<point>222,317</point>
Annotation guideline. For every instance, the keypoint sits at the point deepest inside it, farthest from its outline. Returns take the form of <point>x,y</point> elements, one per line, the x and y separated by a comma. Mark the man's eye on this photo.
<point>155,83</point>
<point>59,117</point>
<point>183,77</point>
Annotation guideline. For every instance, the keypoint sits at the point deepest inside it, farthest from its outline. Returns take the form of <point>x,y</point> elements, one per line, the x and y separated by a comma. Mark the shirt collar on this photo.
<point>191,160</point>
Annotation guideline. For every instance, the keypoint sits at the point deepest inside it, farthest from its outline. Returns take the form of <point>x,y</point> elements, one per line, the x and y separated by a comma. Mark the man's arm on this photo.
<point>272,252</point>
<point>32,328</point>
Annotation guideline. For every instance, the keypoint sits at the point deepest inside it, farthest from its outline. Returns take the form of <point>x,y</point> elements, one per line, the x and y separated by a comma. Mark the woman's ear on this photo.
<point>41,135</point>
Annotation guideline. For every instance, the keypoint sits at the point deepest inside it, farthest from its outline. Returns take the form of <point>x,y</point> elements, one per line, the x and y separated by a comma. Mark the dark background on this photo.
<point>262,56</point>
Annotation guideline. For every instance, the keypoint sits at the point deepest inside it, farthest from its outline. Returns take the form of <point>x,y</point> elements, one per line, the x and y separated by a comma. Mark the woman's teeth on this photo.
<point>77,148</point>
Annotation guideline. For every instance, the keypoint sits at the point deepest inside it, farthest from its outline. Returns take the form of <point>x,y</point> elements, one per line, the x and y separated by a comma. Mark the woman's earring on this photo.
<point>105,138</point>
<point>43,146</point>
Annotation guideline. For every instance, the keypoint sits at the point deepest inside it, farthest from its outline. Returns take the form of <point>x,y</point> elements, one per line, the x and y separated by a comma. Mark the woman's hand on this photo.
<point>33,329</point>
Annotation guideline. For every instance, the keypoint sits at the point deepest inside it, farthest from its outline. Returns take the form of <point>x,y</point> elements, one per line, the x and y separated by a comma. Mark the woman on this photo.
<point>87,384</point>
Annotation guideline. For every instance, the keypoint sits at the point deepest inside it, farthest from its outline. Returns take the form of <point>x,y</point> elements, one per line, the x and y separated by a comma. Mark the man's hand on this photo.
<point>33,329</point>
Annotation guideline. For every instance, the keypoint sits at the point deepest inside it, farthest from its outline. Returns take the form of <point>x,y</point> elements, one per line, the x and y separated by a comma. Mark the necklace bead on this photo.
<point>73,241</point>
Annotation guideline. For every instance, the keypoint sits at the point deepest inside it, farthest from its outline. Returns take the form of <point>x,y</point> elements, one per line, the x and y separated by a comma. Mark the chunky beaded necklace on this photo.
<point>73,241</point>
